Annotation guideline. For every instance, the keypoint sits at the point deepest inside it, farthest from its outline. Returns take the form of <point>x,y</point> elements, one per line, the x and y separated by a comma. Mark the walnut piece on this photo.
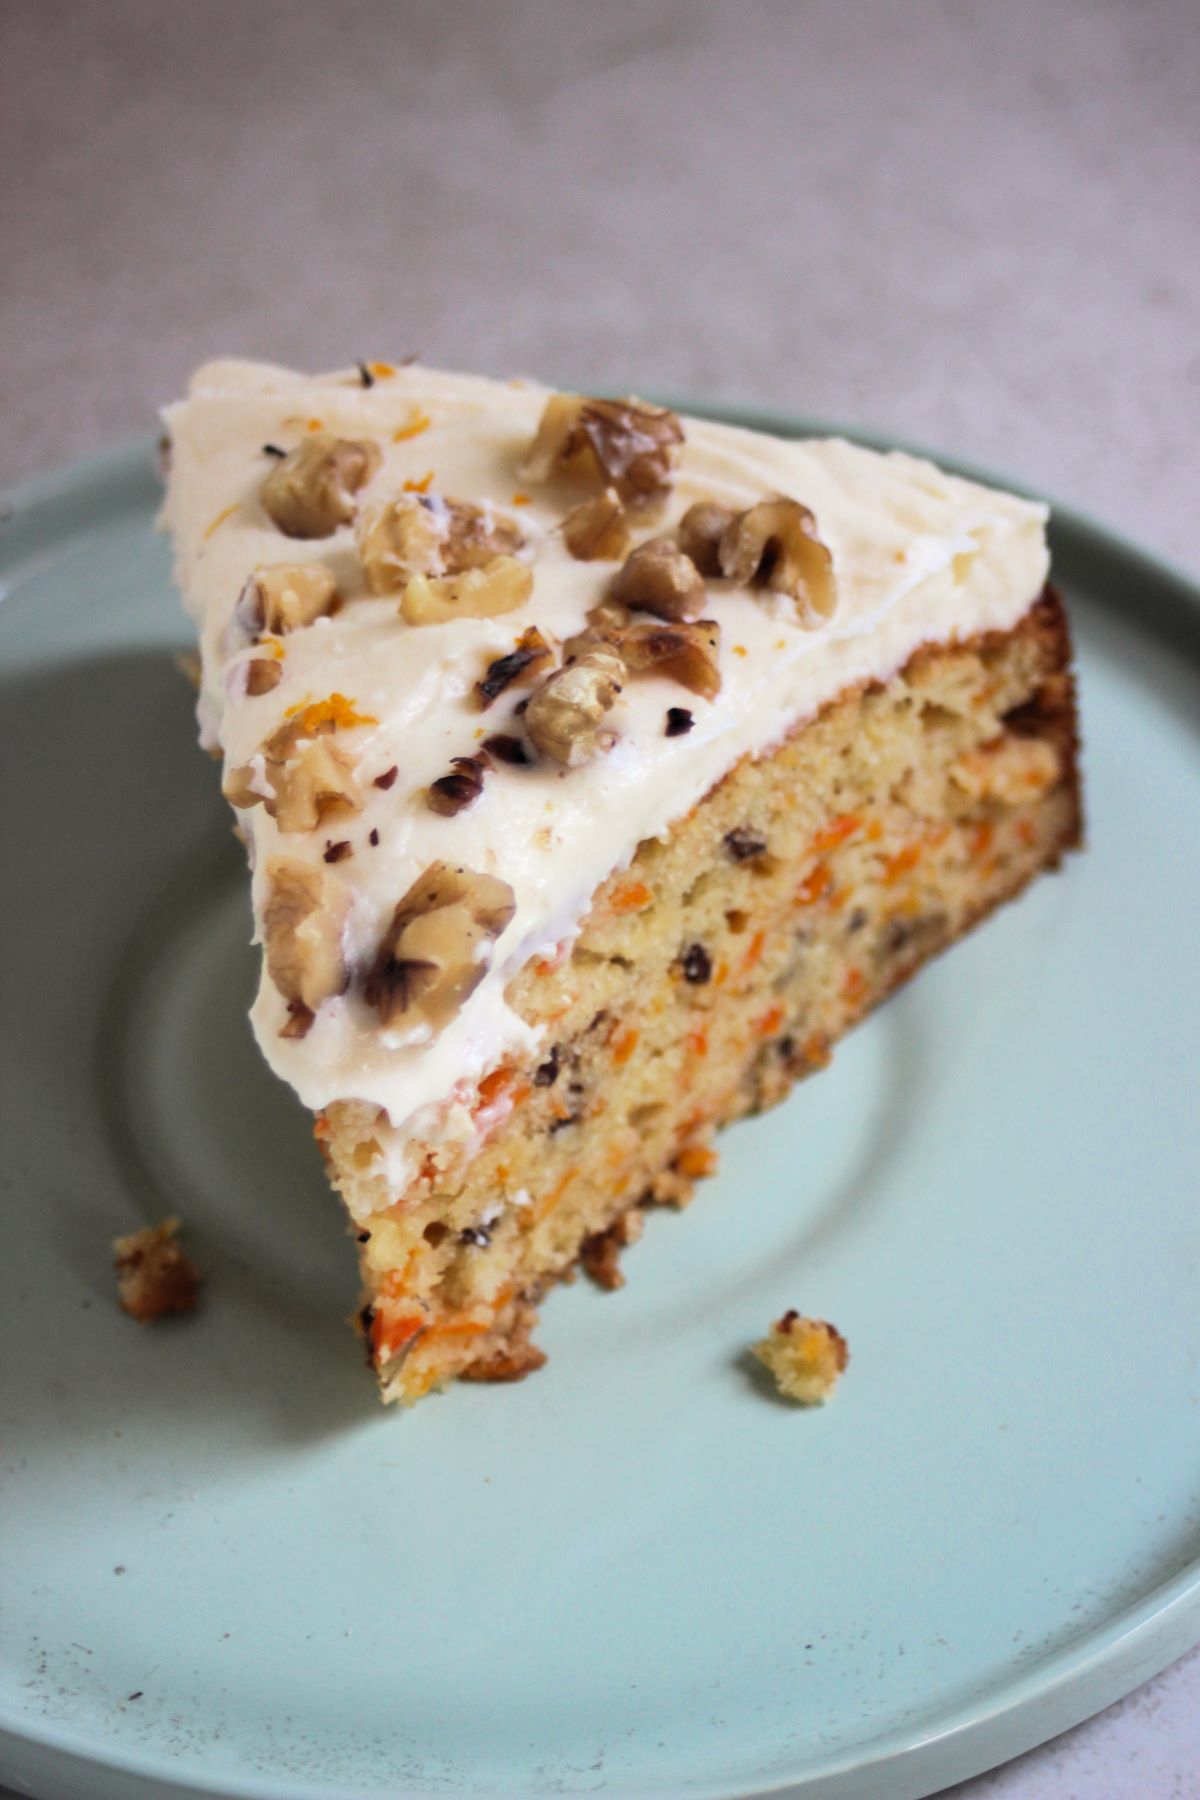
<point>418,534</point>
<point>453,793</point>
<point>262,674</point>
<point>154,1277</point>
<point>435,951</point>
<point>597,530</point>
<point>312,490</point>
<point>775,545</point>
<point>659,578</point>
<point>500,586</point>
<point>285,597</point>
<point>528,659</point>
<point>623,444</point>
<point>303,919</point>
<point>564,716</point>
<point>806,1357</point>
<point>299,776</point>
<point>700,532</point>
<point>682,650</point>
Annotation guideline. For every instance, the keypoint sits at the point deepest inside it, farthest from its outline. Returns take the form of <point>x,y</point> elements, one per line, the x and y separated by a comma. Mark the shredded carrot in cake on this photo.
<point>632,898</point>
<point>835,833</point>
<point>696,1160</point>
<point>771,1020</point>
<point>754,950</point>
<point>419,487</point>
<point>900,864</point>
<point>815,886</point>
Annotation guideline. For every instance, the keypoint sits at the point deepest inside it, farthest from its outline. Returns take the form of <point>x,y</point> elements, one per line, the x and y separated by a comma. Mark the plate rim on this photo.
<point>1062,1688</point>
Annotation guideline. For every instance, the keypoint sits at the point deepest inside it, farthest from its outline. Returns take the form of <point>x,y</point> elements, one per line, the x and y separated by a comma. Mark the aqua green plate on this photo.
<point>227,1571</point>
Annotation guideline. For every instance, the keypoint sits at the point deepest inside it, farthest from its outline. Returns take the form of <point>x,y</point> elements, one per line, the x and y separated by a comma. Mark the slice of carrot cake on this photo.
<point>598,768</point>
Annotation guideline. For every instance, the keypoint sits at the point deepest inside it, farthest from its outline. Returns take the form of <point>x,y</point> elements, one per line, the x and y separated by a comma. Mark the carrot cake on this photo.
<point>598,768</point>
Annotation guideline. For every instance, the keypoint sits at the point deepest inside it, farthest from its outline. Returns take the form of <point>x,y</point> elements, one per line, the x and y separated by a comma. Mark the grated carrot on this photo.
<point>696,1160</point>
<point>815,886</point>
<point>418,422</point>
<point>771,1020</point>
<point>221,518</point>
<point>336,711</point>
<point>835,833</point>
<point>634,897</point>
<point>754,950</point>
<point>900,864</point>
<point>854,986</point>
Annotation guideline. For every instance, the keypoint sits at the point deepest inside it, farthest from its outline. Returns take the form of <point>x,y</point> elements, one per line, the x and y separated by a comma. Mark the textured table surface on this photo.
<point>972,223</point>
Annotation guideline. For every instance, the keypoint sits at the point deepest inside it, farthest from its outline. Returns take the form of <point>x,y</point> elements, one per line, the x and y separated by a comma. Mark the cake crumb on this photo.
<point>805,1356</point>
<point>154,1277</point>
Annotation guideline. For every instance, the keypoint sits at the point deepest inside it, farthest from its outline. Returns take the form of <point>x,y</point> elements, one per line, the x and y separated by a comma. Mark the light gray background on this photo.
<point>970,222</point>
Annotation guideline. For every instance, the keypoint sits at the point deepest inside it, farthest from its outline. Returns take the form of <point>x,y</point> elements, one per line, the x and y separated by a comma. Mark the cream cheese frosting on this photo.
<point>919,556</point>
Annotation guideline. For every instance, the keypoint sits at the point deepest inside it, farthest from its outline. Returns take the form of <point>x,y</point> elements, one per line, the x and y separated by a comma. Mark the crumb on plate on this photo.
<point>154,1277</point>
<point>806,1357</point>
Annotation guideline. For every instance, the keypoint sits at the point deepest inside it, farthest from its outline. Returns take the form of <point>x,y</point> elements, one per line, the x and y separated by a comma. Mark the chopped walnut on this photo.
<point>303,920</point>
<point>453,793</point>
<point>624,444</point>
<point>1009,770</point>
<point>682,651</point>
<point>700,532</point>
<point>658,578</point>
<point>775,545</point>
<point>417,534</point>
<point>499,587</point>
<point>806,1357</point>
<point>312,490</point>
<point>435,951</point>
<point>154,1277</point>
<point>564,716</point>
<point>262,674</point>
<point>285,597</point>
<point>299,776</point>
<point>597,530</point>
<point>530,657</point>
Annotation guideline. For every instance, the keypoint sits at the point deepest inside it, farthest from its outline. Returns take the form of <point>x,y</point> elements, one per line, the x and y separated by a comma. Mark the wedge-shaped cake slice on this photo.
<point>598,768</point>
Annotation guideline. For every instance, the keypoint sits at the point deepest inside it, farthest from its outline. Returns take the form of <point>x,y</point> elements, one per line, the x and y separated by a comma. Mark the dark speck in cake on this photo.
<point>742,843</point>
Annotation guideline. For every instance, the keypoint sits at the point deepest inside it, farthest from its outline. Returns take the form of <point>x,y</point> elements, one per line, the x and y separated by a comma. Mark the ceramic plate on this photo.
<point>226,1570</point>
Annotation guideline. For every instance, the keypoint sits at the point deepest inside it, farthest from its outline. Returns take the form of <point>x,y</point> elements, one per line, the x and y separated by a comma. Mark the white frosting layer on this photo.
<point>919,556</point>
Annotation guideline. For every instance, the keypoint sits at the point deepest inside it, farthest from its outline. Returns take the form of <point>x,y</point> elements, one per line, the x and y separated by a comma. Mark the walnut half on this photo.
<point>303,919</point>
<point>418,534</point>
<point>300,777</point>
<point>285,597</point>
<point>436,949</point>
<point>565,715</point>
<point>658,577</point>
<point>500,586</point>
<point>312,490</point>
<point>775,545</point>
<point>625,445</point>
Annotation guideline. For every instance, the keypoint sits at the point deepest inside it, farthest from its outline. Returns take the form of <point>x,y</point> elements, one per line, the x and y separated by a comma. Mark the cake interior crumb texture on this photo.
<point>719,967</point>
